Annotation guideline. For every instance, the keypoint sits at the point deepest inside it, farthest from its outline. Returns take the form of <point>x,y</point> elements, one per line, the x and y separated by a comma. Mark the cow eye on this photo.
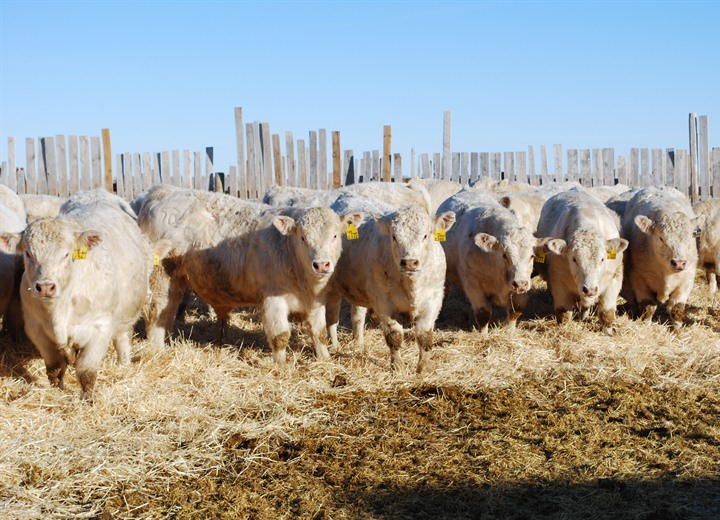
<point>425,237</point>
<point>505,257</point>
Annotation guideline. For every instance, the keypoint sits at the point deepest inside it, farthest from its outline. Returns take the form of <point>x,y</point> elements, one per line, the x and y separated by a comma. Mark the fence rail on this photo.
<point>63,165</point>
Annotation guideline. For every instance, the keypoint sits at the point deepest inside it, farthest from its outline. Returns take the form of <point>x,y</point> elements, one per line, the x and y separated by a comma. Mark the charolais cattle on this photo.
<point>41,206</point>
<point>85,283</point>
<point>12,220</point>
<point>660,263</point>
<point>395,265</point>
<point>489,255</point>
<point>709,241</point>
<point>584,264</point>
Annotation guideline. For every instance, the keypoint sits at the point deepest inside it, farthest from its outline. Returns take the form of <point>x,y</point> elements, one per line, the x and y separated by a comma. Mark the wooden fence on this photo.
<point>61,166</point>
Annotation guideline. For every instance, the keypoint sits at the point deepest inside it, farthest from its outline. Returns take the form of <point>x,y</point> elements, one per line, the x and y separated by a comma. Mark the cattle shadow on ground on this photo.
<point>670,499</point>
<point>14,356</point>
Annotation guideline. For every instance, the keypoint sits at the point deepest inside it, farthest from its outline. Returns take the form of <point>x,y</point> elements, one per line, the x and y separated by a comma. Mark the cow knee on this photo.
<point>677,315</point>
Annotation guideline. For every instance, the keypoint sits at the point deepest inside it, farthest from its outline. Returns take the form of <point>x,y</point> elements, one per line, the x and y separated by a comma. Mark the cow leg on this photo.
<point>88,362</point>
<point>332,318</point>
<point>277,327</point>
<point>607,305</point>
<point>712,281</point>
<point>394,338</point>
<point>424,324</point>
<point>676,304</point>
<point>318,330</point>
<point>123,347</point>
<point>481,307</point>
<point>518,302</point>
<point>168,289</point>
<point>357,318</point>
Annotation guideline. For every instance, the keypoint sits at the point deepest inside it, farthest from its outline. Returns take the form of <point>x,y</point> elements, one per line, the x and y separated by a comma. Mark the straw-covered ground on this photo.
<point>539,422</point>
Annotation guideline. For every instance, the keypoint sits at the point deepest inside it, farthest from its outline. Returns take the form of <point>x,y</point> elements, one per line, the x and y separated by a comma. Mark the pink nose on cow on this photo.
<point>409,264</point>
<point>323,267</point>
<point>45,289</point>
<point>678,264</point>
<point>520,286</point>
<point>590,291</point>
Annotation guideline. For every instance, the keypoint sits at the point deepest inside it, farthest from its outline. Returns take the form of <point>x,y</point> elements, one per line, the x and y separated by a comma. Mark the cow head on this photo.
<point>672,238</point>
<point>412,232</point>
<point>316,235</point>
<point>515,253</point>
<point>49,248</point>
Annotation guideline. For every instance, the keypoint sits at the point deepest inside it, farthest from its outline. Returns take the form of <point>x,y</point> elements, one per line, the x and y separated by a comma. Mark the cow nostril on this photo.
<point>678,264</point>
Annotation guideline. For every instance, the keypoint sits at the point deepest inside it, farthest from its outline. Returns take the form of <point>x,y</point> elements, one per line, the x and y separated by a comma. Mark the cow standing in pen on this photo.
<point>584,264</point>
<point>660,263</point>
<point>12,220</point>
<point>709,241</point>
<point>86,280</point>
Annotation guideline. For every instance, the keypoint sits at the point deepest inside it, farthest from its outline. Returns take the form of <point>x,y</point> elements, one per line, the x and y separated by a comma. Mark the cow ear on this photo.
<point>90,239</point>
<point>445,221</point>
<point>505,201</point>
<point>161,248</point>
<point>10,243</point>
<point>284,224</point>
<point>698,223</point>
<point>617,244</point>
<point>551,245</point>
<point>354,218</point>
<point>644,223</point>
<point>385,224</point>
<point>485,242</point>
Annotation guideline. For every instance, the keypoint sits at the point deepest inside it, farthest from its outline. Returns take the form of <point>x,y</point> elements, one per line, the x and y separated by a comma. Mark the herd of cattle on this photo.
<point>76,274</point>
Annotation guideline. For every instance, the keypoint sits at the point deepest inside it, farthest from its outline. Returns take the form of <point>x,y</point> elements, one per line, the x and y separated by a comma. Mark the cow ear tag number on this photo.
<point>612,254</point>
<point>156,260</point>
<point>440,235</point>
<point>352,232</point>
<point>540,257</point>
<point>80,253</point>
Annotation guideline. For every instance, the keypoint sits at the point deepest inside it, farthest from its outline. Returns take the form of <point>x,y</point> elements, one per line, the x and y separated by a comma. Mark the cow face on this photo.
<point>49,248</point>
<point>514,254</point>
<point>317,237</point>
<point>412,232</point>
<point>672,238</point>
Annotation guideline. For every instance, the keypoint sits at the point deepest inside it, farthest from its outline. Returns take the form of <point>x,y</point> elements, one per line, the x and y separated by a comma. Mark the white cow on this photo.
<point>584,264</point>
<point>395,265</point>
<point>660,225</point>
<point>12,220</point>
<point>709,242</point>
<point>86,280</point>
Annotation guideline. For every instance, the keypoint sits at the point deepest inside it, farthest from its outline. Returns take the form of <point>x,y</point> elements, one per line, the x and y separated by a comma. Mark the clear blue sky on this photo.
<point>167,75</point>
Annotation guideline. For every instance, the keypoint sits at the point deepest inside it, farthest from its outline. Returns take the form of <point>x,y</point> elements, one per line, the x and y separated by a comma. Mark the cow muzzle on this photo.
<point>45,289</point>
<point>520,286</point>
<point>409,265</point>
<point>590,291</point>
<point>678,264</point>
<point>322,267</point>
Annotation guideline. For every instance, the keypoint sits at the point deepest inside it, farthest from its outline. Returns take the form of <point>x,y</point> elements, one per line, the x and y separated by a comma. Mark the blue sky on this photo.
<point>167,75</point>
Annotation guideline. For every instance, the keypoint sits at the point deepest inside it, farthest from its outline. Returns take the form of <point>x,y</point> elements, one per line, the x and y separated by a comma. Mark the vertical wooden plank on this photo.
<point>348,168</point>
<point>11,172</point>
<point>670,167</point>
<point>484,165</point>
<point>658,170</point>
<point>148,171</point>
<point>495,166</point>
<point>107,160</point>
<point>716,173</point>
<point>165,173</point>
<point>322,160</point>
<point>682,181</point>
<point>532,172</point>
<point>585,170</point>
<point>596,167</point>
<point>21,182</point>
<point>313,178</point>
<point>437,165</point>
<point>267,156</point>
<point>137,175</point>
<point>30,165</point>
<point>474,167</point>
<point>397,167</point>
<point>572,165</point>
<point>51,165</point>
<point>85,169</point>
<point>635,168</point>
<point>375,170</point>
<point>239,182</point>
<point>509,161</point>
<point>387,153</point>
<point>176,175</point>
<point>447,145</point>
<point>544,165</point>
<point>198,182</point>
<point>703,158</point>
<point>413,172</point>
<point>608,160</point>
<point>557,158</point>
<point>521,167</point>
<point>337,174</point>
<point>464,168</point>
<point>42,174</point>
<point>128,176</point>
<point>74,165</point>
<point>645,173</point>
<point>98,174</point>
<point>188,172</point>
<point>694,184</point>
<point>426,168</point>
<point>62,172</point>
<point>277,160</point>
<point>621,170</point>
<point>209,162</point>
<point>120,182</point>
<point>251,173</point>
<point>366,167</point>
<point>455,167</point>
<point>290,158</point>
<point>302,164</point>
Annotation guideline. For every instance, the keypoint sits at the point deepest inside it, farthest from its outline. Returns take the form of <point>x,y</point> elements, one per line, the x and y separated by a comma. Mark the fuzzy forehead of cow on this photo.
<point>411,219</point>
<point>318,223</point>
<point>516,240</point>
<point>49,235</point>
<point>674,226</point>
<point>586,245</point>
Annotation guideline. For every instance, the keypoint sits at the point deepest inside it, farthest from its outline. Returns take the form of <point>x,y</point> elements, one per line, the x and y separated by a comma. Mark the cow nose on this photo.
<point>520,286</point>
<point>46,289</point>
<point>322,267</point>
<point>409,264</point>
<point>678,264</point>
<point>589,291</point>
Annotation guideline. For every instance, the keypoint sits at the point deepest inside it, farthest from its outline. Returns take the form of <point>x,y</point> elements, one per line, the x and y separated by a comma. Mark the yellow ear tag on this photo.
<point>612,254</point>
<point>156,260</point>
<point>440,235</point>
<point>540,257</point>
<point>352,232</point>
<point>80,254</point>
